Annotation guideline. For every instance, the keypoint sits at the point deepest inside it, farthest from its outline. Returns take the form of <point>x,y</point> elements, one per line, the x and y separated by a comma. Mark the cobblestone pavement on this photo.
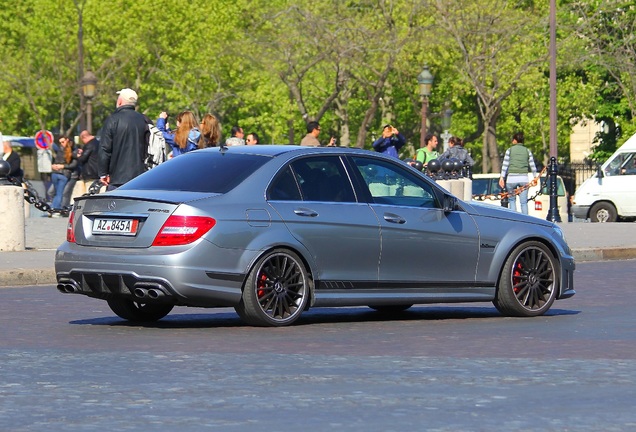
<point>67,363</point>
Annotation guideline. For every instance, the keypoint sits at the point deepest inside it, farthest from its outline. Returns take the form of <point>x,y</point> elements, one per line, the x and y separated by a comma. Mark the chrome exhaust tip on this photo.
<point>155,293</point>
<point>140,292</point>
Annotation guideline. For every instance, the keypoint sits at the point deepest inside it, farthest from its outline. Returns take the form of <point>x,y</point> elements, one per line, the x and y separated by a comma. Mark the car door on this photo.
<point>314,197</point>
<point>422,246</point>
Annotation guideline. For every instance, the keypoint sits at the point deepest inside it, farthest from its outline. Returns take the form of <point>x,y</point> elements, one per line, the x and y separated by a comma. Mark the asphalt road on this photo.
<point>67,363</point>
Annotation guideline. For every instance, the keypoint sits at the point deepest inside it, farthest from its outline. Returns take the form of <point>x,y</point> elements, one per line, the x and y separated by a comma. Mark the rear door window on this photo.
<point>323,178</point>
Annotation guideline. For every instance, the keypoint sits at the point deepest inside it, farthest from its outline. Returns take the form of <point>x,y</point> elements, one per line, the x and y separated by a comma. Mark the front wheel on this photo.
<point>603,212</point>
<point>276,291</point>
<point>528,282</point>
<point>139,312</point>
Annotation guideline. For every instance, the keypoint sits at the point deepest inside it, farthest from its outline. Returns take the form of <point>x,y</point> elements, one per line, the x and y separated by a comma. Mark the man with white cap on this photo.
<point>123,144</point>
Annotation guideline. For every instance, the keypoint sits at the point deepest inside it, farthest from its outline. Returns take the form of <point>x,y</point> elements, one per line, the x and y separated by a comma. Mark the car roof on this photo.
<point>278,149</point>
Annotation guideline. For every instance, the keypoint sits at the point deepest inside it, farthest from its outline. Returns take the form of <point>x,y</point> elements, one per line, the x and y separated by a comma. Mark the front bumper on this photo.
<point>580,211</point>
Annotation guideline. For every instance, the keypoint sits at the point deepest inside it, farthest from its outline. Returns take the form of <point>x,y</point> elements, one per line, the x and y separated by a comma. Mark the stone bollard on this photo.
<point>13,237</point>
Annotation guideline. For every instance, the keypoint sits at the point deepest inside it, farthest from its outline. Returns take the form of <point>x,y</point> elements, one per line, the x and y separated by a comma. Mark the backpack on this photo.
<point>156,151</point>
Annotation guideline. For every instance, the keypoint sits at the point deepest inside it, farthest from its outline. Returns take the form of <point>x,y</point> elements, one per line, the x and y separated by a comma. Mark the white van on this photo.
<point>610,194</point>
<point>486,189</point>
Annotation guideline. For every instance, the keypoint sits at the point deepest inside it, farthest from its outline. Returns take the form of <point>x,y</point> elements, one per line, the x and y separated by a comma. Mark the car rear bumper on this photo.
<point>178,278</point>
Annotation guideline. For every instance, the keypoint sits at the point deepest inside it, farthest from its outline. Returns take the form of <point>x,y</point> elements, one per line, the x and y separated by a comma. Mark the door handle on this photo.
<point>393,218</point>
<point>305,212</point>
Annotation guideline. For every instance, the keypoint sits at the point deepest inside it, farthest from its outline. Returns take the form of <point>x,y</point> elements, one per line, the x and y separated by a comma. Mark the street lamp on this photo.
<point>425,80</point>
<point>446,125</point>
<point>89,83</point>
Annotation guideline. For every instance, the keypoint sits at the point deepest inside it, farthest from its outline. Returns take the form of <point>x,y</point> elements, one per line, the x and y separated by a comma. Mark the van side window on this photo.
<point>622,164</point>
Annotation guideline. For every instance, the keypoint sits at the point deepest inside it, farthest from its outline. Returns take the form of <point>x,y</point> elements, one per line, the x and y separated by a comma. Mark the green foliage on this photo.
<point>272,65</point>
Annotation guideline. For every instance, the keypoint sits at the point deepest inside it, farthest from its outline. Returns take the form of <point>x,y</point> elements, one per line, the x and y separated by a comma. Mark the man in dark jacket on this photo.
<point>123,142</point>
<point>13,159</point>
<point>87,157</point>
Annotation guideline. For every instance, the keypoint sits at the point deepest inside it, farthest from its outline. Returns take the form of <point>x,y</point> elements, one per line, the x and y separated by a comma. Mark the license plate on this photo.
<point>115,226</point>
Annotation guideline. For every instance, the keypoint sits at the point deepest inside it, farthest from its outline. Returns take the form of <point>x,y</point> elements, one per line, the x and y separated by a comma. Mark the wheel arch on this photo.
<point>303,258</point>
<point>547,244</point>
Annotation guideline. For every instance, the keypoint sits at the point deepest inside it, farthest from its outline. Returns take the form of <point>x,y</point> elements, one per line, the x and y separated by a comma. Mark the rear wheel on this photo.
<point>139,312</point>
<point>276,291</point>
<point>529,281</point>
<point>603,212</point>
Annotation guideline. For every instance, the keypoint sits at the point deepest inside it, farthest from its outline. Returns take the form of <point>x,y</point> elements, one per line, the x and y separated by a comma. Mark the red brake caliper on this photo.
<point>261,285</point>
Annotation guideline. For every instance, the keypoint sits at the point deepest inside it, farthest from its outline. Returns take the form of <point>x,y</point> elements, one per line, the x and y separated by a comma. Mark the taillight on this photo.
<point>70,234</point>
<point>538,205</point>
<point>182,230</point>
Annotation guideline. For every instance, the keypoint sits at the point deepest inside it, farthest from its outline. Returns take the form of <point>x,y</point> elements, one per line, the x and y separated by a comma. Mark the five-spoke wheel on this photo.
<point>276,291</point>
<point>528,282</point>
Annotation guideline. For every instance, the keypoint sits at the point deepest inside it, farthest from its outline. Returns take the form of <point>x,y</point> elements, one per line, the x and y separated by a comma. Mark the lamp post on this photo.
<point>89,83</point>
<point>446,125</point>
<point>425,80</point>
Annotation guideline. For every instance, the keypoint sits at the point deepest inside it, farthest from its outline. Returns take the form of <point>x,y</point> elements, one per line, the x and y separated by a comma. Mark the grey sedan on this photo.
<point>275,230</point>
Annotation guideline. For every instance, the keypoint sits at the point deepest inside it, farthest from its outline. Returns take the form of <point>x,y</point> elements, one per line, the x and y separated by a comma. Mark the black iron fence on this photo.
<point>575,173</point>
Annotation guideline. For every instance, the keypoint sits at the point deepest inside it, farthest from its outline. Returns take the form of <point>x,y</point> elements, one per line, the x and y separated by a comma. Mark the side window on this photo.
<point>495,189</point>
<point>284,187</point>
<point>395,185</point>
<point>480,186</point>
<point>323,178</point>
<point>622,164</point>
<point>545,186</point>
<point>629,166</point>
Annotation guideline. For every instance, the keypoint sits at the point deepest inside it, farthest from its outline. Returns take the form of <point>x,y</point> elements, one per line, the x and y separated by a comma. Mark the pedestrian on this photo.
<point>518,161</point>
<point>237,137</point>
<point>186,137</point>
<point>311,139</point>
<point>72,171</point>
<point>63,162</point>
<point>429,151</point>
<point>252,139</point>
<point>390,142</point>
<point>210,128</point>
<point>124,141</point>
<point>457,151</point>
<point>13,159</point>
<point>88,159</point>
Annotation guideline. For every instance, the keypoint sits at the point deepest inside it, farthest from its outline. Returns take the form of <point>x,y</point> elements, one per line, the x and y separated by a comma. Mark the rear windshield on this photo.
<point>199,171</point>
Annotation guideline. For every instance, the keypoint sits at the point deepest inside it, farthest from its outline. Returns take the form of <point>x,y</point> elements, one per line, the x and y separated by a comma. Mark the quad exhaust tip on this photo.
<point>67,288</point>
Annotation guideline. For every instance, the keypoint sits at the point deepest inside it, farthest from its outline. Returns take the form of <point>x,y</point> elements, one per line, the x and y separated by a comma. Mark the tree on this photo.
<point>496,41</point>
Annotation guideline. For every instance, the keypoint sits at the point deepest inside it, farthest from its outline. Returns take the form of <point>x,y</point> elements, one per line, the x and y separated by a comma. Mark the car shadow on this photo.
<point>224,318</point>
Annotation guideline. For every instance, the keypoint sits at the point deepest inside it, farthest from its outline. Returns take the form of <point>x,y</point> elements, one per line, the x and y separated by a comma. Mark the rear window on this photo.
<point>199,171</point>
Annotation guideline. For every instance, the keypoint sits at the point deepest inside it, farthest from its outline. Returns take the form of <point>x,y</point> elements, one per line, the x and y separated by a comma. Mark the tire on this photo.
<point>603,212</point>
<point>528,282</point>
<point>139,312</point>
<point>276,290</point>
<point>391,309</point>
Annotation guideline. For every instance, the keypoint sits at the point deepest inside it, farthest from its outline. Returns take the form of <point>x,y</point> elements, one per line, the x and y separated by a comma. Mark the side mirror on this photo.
<point>450,203</point>
<point>599,171</point>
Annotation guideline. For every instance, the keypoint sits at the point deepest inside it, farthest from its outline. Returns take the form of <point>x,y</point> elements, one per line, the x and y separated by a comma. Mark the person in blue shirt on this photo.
<point>186,137</point>
<point>390,142</point>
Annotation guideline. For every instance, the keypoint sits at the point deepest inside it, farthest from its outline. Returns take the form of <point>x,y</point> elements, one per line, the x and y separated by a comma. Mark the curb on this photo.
<point>46,276</point>
<point>604,254</point>
<point>27,277</point>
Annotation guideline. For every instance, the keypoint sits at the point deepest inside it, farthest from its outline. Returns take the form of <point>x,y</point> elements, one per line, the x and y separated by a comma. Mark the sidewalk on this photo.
<point>35,266</point>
